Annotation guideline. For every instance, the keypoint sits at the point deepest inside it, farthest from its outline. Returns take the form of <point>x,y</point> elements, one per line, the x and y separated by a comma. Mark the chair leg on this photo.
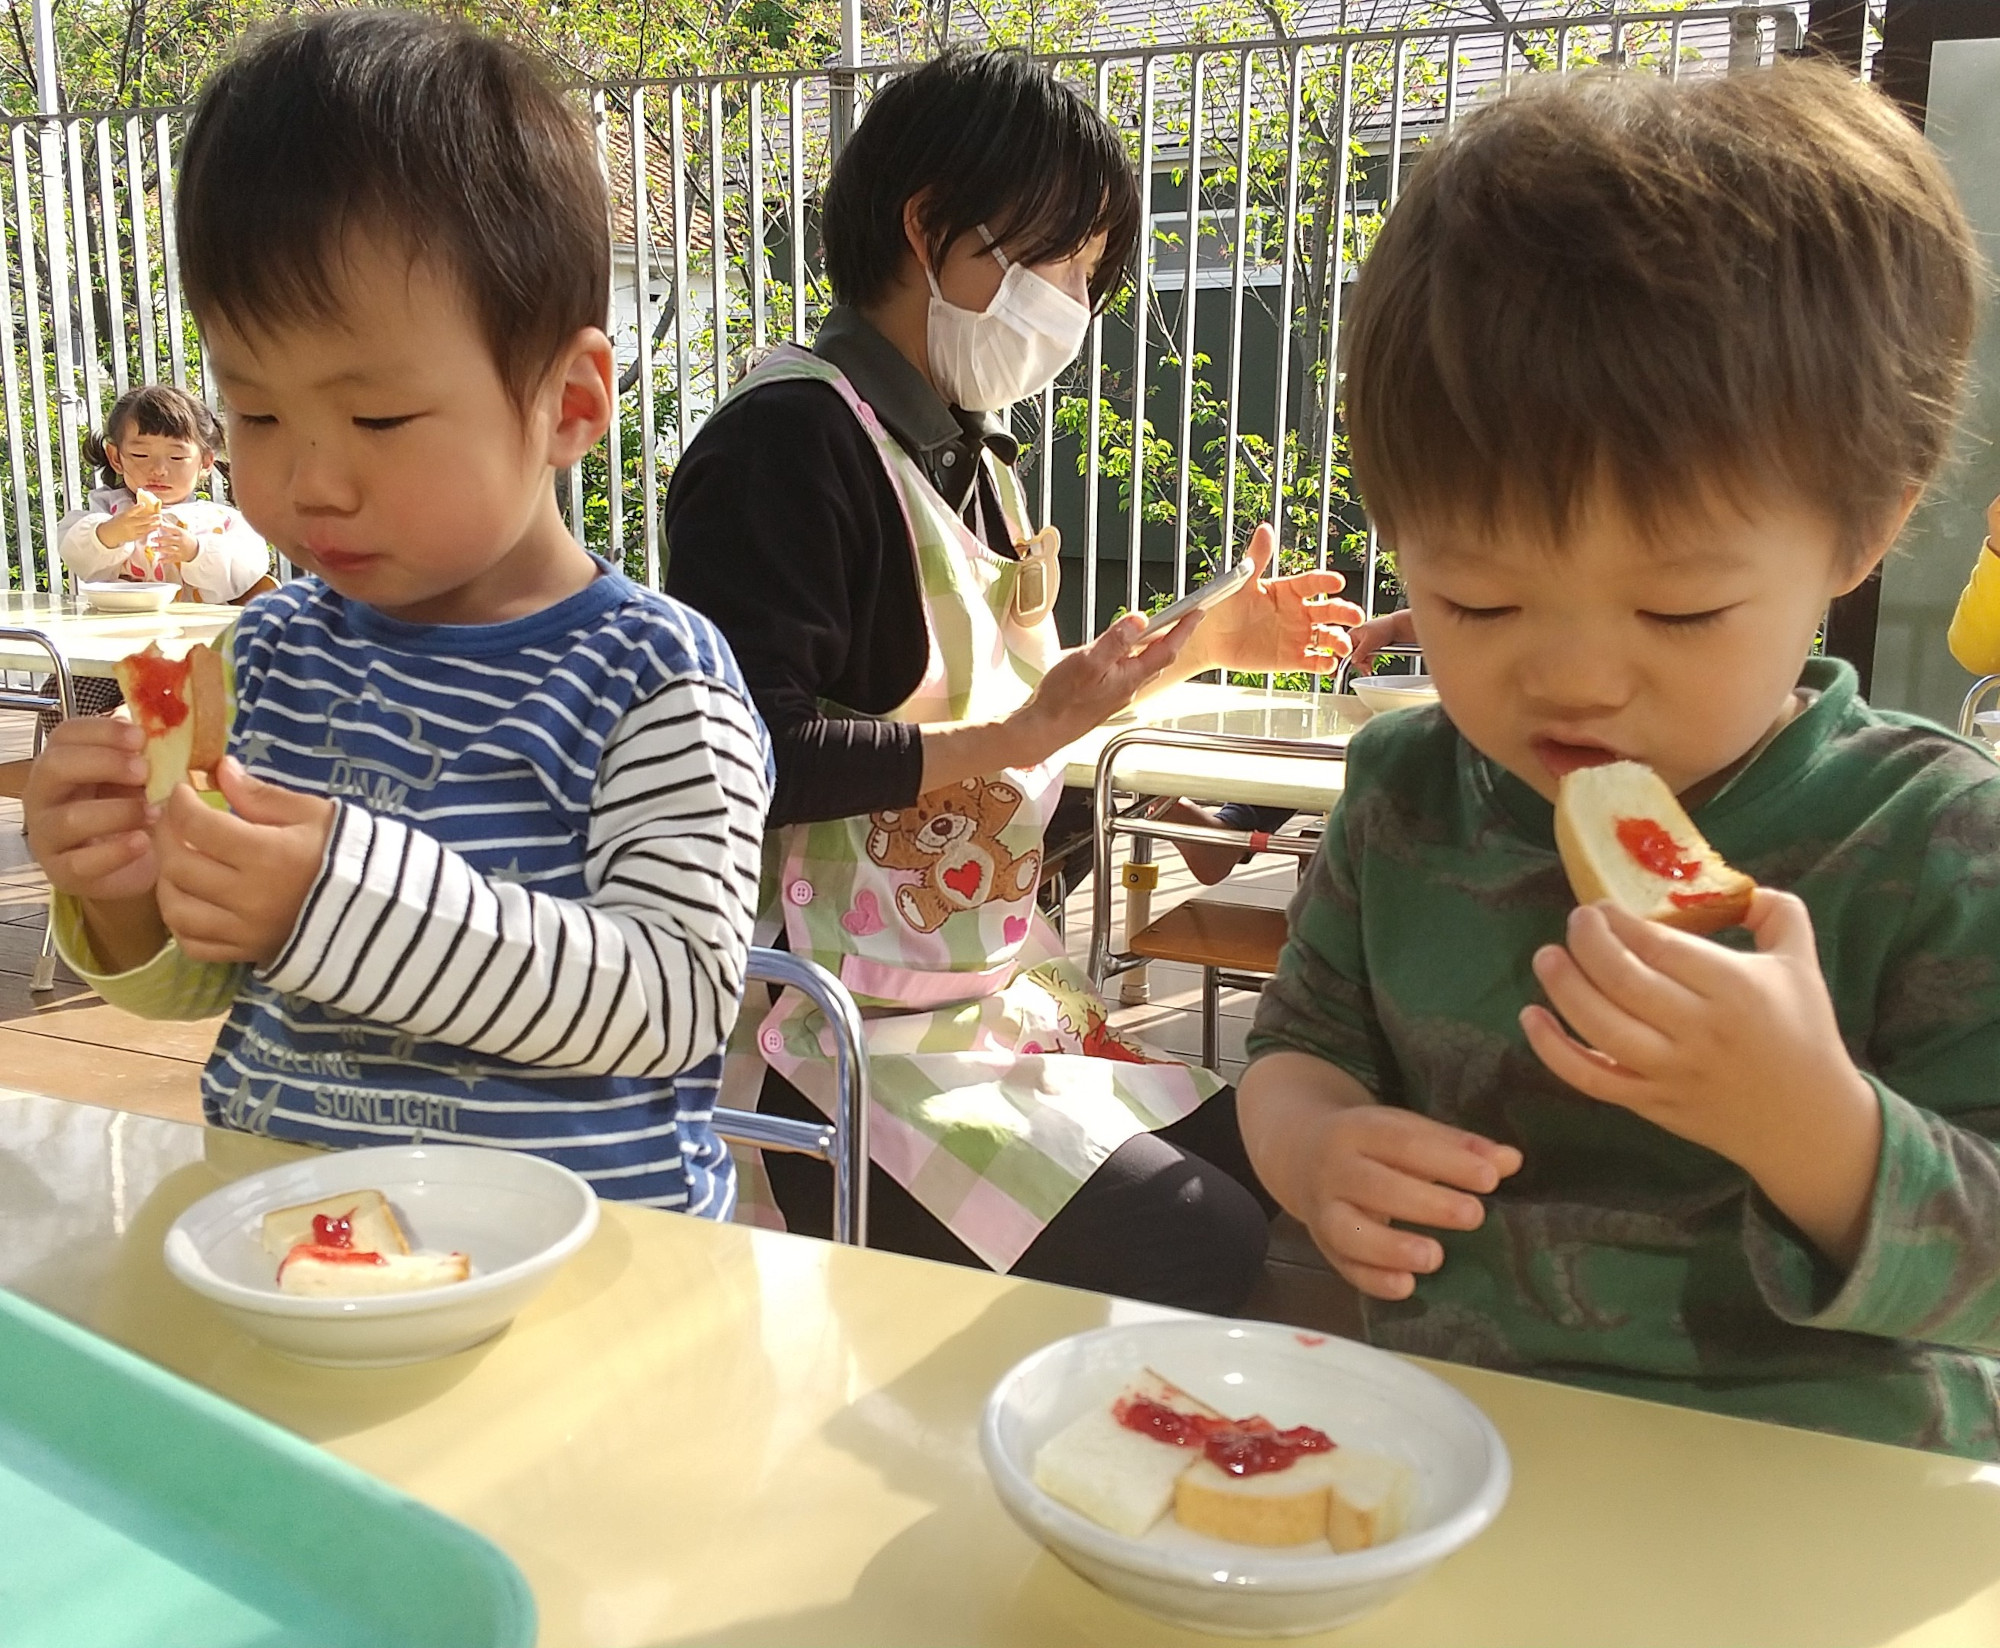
<point>1211,1012</point>
<point>45,964</point>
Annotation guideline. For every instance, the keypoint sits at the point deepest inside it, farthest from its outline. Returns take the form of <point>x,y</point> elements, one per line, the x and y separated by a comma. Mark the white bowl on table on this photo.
<point>1382,693</point>
<point>516,1216</point>
<point>1361,1397</point>
<point>129,596</point>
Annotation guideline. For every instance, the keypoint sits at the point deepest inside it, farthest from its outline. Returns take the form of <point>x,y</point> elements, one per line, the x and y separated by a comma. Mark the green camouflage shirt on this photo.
<point>1622,1257</point>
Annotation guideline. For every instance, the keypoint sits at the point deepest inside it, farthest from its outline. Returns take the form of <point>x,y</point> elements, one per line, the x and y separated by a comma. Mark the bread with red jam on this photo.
<point>1155,1446</point>
<point>371,1224</point>
<point>181,707</point>
<point>315,1272</point>
<point>1626,840</point>
<point>1121,1478</point>
<point>1287,1507</point>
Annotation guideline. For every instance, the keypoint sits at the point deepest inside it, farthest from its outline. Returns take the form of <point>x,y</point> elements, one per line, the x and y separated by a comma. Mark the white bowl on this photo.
<point>1382,693</point>
<point>1987,725</point>
<point>1361,1397</point>
<point>129,597</point>
<point>516,1216</point>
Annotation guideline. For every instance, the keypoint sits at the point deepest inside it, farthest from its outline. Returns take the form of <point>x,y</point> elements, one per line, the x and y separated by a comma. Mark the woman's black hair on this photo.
<point>983,138</point>
<point>155,409</point>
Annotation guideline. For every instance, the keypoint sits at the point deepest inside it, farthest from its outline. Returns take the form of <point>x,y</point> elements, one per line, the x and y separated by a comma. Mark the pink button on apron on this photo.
<point>800,892</point>
<point>772,1041</point>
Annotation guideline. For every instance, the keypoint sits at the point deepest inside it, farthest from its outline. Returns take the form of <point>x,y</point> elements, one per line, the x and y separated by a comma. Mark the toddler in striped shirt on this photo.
<point>490,858</point>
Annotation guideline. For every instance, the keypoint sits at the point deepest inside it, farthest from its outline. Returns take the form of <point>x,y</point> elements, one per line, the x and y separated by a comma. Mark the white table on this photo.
<point>1304,785</point>
<point>91,643</point>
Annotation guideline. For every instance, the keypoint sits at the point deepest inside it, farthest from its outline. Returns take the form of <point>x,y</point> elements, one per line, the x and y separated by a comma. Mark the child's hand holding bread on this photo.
<point>131,526</point>
<point>1740,1053</point>
<point>231,884</point>
<point>89,823</point>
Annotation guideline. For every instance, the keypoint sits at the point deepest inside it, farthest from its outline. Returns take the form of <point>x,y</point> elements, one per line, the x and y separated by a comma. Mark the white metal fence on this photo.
<point>1204,398</point>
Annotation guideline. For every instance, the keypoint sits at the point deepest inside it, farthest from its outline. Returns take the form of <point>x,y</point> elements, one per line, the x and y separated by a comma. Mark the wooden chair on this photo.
<point>1235,946</point>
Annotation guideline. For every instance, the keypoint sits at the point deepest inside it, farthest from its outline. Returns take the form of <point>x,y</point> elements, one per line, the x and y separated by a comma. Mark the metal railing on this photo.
<point>1203,401</point>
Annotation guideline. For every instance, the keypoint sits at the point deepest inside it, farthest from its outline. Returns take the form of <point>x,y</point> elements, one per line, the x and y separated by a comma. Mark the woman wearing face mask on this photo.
<point>851,520</point>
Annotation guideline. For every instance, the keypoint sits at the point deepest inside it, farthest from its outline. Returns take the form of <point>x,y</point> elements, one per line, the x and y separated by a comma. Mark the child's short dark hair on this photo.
<point>1764,282</point>
<point>985,138</point>
<point>153,409</point>
<point>396,123</point>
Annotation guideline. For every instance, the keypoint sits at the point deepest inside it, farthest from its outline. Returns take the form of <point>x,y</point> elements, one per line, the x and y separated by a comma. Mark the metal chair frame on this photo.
<point>63,702</point>
<point>842,1142</point>
<point>1983,688</point>
<point>1341,675</point>
<point>1109,823</point>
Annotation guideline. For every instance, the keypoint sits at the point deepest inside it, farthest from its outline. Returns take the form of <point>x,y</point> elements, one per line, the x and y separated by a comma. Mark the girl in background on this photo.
<point>144,523</point>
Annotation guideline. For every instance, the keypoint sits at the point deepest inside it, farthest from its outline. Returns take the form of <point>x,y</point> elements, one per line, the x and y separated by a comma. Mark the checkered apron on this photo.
<point>998,1087</point>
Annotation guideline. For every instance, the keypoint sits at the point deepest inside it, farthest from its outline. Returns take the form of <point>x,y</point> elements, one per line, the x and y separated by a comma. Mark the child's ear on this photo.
<point>582,386</point>
<point>1855,574</point>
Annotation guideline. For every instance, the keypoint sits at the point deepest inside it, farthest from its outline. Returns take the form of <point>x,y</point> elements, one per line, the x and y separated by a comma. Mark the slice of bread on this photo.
<point>1120,1478</point>
<point>324,1273</point>
<point>179,704</point>
<point>369,1217</point>
<point>1287,1507</point>
<point>1625,838</point>
<point>210,706</point>
<point>1369,1501</point>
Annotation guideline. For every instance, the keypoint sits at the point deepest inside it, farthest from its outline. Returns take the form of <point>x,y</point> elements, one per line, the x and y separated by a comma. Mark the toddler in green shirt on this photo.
<point>1640,376</point>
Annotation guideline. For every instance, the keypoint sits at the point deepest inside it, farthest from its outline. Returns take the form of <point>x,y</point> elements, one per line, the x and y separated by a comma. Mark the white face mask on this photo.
<point>986,359</point>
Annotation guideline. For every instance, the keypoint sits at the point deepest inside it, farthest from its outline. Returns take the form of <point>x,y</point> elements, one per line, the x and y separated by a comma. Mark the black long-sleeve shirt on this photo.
<point>784,529</point>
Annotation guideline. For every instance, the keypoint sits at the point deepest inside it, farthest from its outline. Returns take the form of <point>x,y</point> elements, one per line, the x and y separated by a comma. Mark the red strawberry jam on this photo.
<point>1653,845</point>
<point>332,1232</point>
<point>1242,1447</point>
<point>159,688</point>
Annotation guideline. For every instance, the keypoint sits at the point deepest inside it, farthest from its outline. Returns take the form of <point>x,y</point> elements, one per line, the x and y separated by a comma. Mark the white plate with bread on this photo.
<point>373,1258</point>
<point>1383,1470</point>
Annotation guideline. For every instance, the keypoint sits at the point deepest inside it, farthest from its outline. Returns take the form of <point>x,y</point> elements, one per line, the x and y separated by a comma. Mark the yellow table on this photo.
<point>708,1434</point>
<point>92,642</point>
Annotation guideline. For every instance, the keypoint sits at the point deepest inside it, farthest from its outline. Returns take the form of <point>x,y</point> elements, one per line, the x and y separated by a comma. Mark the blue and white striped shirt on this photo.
<point>531,924</point>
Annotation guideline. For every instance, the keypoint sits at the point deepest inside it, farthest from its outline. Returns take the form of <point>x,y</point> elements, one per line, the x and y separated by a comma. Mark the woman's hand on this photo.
<point>1084,688</point>
<point>1278,623</point>
<point>1089,685</point>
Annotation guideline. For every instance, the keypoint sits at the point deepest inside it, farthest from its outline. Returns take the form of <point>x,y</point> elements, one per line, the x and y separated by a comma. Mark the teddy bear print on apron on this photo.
<point>998,1085</point>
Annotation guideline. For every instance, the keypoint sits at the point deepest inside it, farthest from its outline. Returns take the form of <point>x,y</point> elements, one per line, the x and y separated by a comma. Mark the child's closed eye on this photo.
<point>385,423</point>
<point>1685,621</point>
<point>1478,615</point>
